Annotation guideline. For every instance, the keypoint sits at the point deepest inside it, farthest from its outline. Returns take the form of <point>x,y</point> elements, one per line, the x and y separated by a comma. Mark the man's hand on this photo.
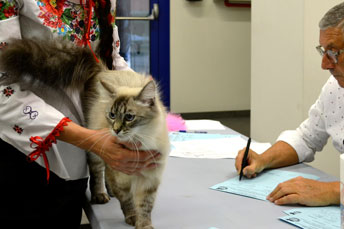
<point>306,192</point>
<point>279,155</point>
<point>255,163</point>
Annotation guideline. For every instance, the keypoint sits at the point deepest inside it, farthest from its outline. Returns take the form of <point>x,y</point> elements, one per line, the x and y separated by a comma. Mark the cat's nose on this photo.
<point>117,127</point>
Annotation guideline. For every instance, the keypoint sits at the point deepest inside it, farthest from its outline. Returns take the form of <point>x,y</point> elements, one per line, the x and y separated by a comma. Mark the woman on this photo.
<point>42,181</point>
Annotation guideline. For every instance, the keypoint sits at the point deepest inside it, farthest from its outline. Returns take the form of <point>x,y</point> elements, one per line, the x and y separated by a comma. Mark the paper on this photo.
<point>195,145</point>
<point>261,186</point>
<point>204,125</point>
<point>182,136</point>
<point>314,217</point>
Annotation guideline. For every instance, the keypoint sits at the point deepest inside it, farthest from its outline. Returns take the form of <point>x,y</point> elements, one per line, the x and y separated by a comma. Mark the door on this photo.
<point>143,27</point>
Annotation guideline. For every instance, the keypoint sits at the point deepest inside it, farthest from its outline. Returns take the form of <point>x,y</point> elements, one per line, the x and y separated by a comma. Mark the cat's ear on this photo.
<point>107,86</point>
<point>147,94</point>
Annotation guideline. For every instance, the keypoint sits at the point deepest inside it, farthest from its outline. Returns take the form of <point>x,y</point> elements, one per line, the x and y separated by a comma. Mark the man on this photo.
<point>326,119</point>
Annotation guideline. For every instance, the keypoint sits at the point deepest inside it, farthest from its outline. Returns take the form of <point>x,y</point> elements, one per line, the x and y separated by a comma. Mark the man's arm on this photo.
<point>295,191</point>
<point>279,155</point>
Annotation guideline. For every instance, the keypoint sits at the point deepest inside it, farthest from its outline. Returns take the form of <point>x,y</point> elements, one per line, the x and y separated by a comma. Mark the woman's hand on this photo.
<point>116,154</point>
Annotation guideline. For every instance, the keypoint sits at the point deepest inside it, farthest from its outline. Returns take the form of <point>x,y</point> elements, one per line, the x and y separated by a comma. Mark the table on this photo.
<point>184,200</point>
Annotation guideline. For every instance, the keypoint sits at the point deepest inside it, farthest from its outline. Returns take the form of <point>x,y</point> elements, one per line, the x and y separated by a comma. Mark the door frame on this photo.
<point>160,49</point>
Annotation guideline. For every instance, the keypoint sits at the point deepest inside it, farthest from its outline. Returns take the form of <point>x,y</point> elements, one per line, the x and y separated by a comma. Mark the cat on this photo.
<point>144,122</point>
<point>125,102</point>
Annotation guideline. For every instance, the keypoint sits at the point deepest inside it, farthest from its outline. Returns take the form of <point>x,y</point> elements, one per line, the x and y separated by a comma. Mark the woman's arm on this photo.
<point>107,146</point>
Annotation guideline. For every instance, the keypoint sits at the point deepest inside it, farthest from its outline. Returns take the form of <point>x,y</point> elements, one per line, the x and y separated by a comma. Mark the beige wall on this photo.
<point>277,67</point>
<point>286,77</point>
<point>216,67</point>
<point>210,57</point>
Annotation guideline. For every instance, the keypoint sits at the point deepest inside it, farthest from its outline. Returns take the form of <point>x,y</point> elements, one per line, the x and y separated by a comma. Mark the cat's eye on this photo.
<point>112,115</point>
<point>129,117</point>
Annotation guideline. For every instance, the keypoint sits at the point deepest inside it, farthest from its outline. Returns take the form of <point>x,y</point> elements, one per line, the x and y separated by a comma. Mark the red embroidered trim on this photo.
<point>44,145</point>
<point>8,91</point>
<point>18,129</point>
<point>86,38</point>
<point>58,10</point>
<point>3,45</point>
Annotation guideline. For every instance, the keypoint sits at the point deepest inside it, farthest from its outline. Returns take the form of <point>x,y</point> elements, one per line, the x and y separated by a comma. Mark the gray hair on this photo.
<point>333,18</point>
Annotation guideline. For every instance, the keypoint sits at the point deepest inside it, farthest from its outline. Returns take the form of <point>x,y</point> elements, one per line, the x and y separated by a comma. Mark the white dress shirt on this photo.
<point>325,119</point>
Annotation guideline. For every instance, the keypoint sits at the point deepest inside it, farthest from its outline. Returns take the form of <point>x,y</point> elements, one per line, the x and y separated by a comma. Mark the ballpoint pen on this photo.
<point>244,159</point>
<point>193,131</point>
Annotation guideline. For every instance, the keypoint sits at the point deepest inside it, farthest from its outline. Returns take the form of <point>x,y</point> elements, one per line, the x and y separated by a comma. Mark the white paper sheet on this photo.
<point>203,124</point>
<point>214,148</point>
<point>314,217</point>
<point>261,186</point>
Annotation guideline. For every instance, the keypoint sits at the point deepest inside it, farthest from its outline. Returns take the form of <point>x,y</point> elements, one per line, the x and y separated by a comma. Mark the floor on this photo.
<point>236,120</point>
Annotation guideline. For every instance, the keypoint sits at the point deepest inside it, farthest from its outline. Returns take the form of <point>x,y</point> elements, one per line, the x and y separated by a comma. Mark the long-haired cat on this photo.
<point>125,102</point>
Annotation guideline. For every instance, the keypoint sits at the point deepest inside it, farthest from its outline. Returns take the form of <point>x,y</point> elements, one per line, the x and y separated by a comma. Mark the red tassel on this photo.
<point>44,145</point>
<point>111,19</point>
<point>86,38</point>
<point>102,3</point>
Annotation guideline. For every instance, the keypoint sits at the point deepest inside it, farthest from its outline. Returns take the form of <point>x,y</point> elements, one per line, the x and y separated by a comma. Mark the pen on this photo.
<point>244,159</point>
<point>200,132</point>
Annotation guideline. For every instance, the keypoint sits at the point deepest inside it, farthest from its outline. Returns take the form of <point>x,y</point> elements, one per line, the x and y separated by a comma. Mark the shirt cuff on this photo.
<point>43,145</point>
<point>292,137</point>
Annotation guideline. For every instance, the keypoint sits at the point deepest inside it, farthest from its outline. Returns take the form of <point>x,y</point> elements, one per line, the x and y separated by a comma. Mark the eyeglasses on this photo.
<point>333,55</point>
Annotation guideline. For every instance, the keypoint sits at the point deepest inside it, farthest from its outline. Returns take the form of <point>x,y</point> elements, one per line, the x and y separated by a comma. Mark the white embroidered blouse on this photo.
<point>38,115</point>
<point>325,119</point>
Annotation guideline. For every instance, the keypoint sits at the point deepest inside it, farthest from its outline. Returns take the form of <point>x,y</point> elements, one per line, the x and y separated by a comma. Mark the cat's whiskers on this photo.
<point>100,138</point>
<point>142,141</point>
<point>103,101</point>
<point>143,137</point>
<point>106,139</point>
<point>98,133</point>
<point>132,140</point>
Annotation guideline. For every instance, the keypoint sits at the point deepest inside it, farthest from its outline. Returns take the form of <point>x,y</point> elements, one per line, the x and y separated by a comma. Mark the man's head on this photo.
<point>332,42</point>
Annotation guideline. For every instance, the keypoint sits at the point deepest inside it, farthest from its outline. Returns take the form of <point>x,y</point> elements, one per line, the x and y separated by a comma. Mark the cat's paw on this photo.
<point>147,224</point>
<point>100,198</point>
<point>144,227</point>
<point>111,193</point>
<point>131,220</point>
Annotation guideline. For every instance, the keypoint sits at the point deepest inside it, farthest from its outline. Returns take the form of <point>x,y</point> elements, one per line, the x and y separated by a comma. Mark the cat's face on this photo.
<point>129,114</point>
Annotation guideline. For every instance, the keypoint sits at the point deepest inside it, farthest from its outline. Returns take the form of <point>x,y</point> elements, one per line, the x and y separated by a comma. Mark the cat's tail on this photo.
<point>55,63</point>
